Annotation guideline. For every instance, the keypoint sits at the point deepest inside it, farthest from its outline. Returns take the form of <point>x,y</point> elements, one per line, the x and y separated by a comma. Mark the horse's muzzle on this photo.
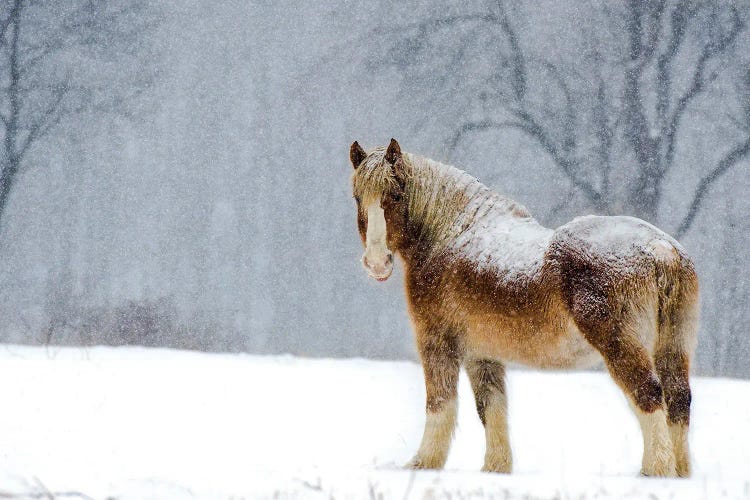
<point>378,268</point>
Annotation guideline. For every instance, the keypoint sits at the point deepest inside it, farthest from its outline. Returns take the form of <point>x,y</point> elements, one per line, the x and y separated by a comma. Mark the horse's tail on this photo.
<point>678,302</point>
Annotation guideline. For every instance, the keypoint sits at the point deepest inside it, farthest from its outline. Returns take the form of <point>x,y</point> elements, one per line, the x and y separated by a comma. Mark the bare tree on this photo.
<point>59,59</point>
<point>621,103</point>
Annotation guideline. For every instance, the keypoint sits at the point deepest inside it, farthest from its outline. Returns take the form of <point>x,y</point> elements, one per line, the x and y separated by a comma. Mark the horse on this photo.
<point>487,285</point>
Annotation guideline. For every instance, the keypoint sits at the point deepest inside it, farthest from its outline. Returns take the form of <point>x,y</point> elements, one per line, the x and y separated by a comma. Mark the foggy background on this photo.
<point>176,173</point>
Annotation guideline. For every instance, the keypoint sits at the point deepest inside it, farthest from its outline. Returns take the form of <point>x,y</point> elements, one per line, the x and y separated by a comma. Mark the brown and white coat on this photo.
<point>486,285</point>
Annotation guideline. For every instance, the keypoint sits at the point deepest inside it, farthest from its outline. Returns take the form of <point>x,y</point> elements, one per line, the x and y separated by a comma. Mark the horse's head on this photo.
<point>379,182</point>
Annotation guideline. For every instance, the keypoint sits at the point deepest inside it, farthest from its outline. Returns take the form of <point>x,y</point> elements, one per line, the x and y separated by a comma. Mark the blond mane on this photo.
<point>443,200</point>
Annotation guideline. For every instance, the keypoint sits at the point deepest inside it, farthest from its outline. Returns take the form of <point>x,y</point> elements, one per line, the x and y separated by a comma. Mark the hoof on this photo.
<point>497,468</point>
<point>419,464</point>
<point>664,471</point>
<point>498,462</point>
<point>414,464</point>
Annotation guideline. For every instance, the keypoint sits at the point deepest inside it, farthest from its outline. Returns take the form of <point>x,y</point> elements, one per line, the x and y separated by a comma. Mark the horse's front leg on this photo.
<point>488,382</point>
<point>440,361</point>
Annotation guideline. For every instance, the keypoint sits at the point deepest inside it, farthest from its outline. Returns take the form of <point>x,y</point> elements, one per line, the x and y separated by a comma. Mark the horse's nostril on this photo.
<point>364,261</point>
<point>390,258</point>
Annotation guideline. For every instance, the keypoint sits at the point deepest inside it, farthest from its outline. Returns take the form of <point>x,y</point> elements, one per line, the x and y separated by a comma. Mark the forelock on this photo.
<point>373,177</point>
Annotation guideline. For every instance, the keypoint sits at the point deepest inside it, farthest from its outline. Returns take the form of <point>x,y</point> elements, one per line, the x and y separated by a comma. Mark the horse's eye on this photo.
<point>396,197</point>
<point>356,198</point>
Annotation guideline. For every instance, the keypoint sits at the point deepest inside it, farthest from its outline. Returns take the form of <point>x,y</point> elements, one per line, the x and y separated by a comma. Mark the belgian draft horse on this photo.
<point>486,285</point>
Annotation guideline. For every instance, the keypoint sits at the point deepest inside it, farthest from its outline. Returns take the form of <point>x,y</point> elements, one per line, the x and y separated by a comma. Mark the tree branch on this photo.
<point>605,133</point>
<point>4,24</point>
<point>527,125</point>
<point>435,23</point>
<point>534,130</point>
<point>49,119</point>
<point>699,83</point>
<point>642,50</point>
<point>569,143</point>
<point>477,126</point>
<point>519,64</point>
<point>39,53</point>
<point>679,18</point>
<point>643,46</point>
<point>727,162</point>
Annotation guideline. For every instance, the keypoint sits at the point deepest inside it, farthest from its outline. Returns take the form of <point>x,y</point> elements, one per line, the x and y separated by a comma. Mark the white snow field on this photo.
<point>162,424</point>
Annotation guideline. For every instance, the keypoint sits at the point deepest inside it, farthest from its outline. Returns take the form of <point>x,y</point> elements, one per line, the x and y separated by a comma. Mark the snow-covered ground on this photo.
<point>152,423</point>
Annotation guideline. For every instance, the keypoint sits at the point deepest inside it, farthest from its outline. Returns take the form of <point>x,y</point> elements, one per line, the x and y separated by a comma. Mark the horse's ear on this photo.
<point>356,154</point>
<point>393,153</point>
<point>394,157</point>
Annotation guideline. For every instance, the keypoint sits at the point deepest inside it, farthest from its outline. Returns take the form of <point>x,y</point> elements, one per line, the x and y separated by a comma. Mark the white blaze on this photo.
<point>377,258</point>
<point>376,228</point>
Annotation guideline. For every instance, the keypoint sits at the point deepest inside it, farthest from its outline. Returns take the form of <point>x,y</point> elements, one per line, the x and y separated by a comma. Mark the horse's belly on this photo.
<point>554,344</point>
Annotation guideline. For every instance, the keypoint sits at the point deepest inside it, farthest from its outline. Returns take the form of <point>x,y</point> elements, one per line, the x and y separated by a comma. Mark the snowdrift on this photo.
<point>154,423</point>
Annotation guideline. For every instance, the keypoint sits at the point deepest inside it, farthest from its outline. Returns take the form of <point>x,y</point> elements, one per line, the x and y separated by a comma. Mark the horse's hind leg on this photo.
<point>678,322</point>
<point>630,365</point>
<point>673,371</point>
<point>616,336</point>
<point>488,382</point>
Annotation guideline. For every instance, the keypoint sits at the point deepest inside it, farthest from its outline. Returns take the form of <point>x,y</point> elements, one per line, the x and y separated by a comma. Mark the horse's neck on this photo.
<point>495,233</point>
<point>459,216</point>
<point>502,241</point>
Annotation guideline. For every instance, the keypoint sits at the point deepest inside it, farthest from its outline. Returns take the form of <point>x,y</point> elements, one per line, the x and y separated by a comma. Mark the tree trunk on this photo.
<point>645,195</point>
<point>6,183</point>
<point>12,160</point>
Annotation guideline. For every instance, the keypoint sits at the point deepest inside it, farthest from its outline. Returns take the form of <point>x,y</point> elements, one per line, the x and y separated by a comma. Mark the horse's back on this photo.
<point>619,246</point>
